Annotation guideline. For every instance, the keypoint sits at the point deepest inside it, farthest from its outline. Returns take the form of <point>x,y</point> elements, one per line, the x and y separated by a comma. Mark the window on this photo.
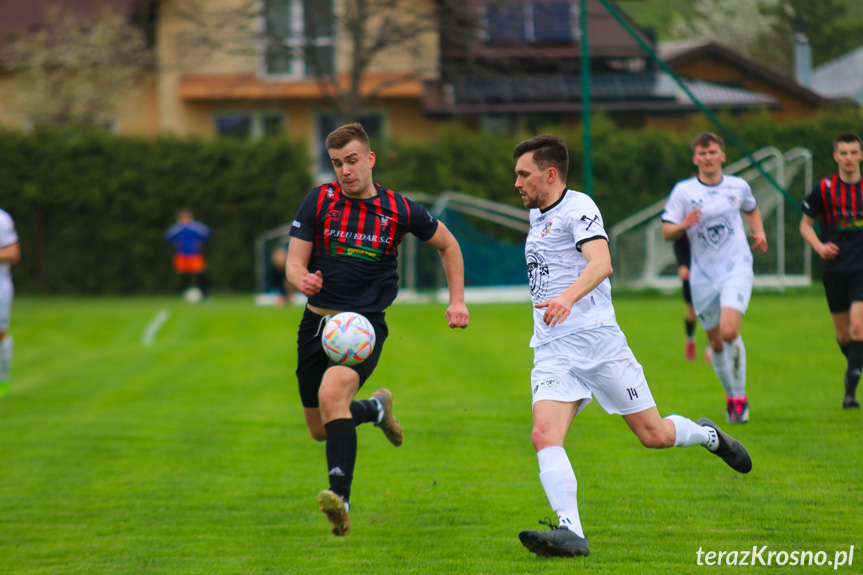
<point>373,123</point>
<point>300,38</point>
<point>531,22</point>
<point>246,125</point>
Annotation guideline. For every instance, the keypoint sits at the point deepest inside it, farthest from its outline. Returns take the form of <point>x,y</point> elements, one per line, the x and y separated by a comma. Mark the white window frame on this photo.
<point>297,43</point>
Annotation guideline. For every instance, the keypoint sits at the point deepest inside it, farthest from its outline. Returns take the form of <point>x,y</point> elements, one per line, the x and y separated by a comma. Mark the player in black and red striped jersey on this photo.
<point>343,257</point>
<point>837,203</point>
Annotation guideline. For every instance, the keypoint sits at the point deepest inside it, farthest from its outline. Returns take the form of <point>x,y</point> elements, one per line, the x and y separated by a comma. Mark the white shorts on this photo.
<point>708,300</point>
<point>6,293</point>
<point>593,362</point>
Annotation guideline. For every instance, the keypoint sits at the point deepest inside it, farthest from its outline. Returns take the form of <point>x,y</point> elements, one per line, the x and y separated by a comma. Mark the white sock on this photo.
<point>738,366</point>
<point>722,368</point>
<point>561,487</point>
<point>5,358</point>
<point>688,433</point>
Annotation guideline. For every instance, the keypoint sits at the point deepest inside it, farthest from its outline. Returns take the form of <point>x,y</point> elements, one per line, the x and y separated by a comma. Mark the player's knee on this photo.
<point>318,434</point>
<point>856,331</point>
<point>728,333</point>
<point>541,438</point>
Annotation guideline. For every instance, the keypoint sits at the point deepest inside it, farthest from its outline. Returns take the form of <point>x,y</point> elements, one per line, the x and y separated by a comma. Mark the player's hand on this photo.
<point>692,218</point>
<point>683,272</point>
<point>556,310</point>
<point>759,242</point>
<point>828,251</point>
<point>457,316</point>
<point>312,284</point>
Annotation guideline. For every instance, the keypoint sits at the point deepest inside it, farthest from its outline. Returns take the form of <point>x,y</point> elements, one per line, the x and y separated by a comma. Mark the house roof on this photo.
<point>679,53</point>
<point>841,77</point>
<point>649,91</point>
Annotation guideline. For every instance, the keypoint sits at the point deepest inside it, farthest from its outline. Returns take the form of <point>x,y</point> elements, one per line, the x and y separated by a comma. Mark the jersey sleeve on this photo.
<point>586,223</point>
<point>748,203</point>
<point>304,226</point>
<point>675,209</point>
<point>422,224</point>
<point>813,205</point>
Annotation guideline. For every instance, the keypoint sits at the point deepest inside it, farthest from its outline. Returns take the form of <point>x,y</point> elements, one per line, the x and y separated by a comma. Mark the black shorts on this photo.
<point>842,289</point>
<point>312,362</point>
<point>687,292</point>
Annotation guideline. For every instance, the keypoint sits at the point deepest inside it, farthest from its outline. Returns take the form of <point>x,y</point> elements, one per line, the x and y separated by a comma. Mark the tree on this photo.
<point>300,34</point>
<point>827,23</point>
<point>738,24</point>
<point>74,67</point>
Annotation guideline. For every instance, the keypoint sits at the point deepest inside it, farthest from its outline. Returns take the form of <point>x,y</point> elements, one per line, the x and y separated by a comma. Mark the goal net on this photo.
<point>643,259</point>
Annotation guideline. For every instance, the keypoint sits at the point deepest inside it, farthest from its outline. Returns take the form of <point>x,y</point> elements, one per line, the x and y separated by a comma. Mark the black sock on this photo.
<point>843,347</point>
<point>341,455</point>
<point>364,411</point>
<point>690,328</point>
<point>855,363</point>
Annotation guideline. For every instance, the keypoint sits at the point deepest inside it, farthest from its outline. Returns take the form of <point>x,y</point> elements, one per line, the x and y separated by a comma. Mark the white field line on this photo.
<point>154,326</point>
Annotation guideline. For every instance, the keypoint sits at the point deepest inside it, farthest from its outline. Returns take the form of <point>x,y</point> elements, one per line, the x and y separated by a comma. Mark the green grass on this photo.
<point>191,455</point>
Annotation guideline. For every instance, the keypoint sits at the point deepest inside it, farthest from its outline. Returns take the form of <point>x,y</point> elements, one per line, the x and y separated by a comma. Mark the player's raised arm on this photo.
<point>447,246</point>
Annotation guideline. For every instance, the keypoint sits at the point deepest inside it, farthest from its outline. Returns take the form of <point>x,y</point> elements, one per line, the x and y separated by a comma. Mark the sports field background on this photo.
<point>190,455</point>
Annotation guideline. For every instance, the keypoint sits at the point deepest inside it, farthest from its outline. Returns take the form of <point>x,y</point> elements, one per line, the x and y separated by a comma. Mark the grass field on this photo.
<point>190,455</point>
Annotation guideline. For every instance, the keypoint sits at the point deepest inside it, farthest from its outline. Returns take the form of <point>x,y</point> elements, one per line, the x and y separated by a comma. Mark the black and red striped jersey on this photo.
<point>837,206</point>
<point>356,244</point>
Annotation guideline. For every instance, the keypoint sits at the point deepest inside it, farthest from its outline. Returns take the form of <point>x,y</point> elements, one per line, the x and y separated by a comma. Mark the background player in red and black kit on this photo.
<point>683,255</point>
<point>343,257</point>
<point>837,203</point>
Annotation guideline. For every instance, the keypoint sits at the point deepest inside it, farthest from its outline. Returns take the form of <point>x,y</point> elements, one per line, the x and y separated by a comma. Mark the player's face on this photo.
<point>530,181</point>
<point>353,166</point>
<point>709,160</point>
<point>848,156</point>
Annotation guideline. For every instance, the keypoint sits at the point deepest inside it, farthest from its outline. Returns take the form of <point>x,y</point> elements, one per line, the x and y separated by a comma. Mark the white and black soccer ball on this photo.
<point>348,338</point>
<point>193,295</point>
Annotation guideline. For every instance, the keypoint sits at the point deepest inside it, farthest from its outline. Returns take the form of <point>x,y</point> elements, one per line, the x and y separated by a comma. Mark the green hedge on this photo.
<point>631,168</point>
<point>91,209</point>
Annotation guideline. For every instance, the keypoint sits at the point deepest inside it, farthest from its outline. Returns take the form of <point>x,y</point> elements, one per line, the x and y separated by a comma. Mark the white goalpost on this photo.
<point>643,259</point>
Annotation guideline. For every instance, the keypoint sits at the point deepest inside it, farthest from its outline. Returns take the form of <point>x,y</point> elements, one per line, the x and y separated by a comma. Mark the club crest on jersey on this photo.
<point>550,383</point>
<point>537,275</point>
<point>546,229</point>
<point>732,199</point>
<point>331,193</point>
<point>714,232</point>
<point>384,220</point>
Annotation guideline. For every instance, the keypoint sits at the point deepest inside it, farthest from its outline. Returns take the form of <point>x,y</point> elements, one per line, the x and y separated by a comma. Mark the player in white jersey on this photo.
<point>707,208</point>
<point>579,351</point>
<point>10,253</point>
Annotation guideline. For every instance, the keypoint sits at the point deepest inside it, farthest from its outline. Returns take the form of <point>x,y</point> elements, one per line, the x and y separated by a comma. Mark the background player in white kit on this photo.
<point>579,350</point>
<point>10,253</point>
<point>707,208</point>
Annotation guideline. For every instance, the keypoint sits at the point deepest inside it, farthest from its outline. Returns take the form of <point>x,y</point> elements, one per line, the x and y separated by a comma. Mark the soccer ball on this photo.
<point>193,295</point>
<point>349,338</point>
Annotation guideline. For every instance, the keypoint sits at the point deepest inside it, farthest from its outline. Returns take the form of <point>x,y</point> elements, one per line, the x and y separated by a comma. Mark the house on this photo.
<point>841,79</point>
<point>244,69</point>
<point>714,63</point>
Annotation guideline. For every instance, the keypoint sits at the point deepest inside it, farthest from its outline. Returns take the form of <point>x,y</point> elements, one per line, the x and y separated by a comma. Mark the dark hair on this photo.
<point>847,138</point>
<point>704,139</point>
<point>548,152</point>
<point>341,137</point>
